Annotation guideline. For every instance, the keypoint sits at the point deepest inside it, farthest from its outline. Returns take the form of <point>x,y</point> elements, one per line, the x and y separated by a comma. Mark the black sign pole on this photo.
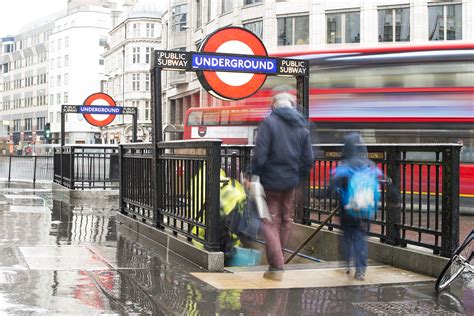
<point>134,131</point>
<point>63,124</point>
<point>156,136</point>
<point>302,89</point>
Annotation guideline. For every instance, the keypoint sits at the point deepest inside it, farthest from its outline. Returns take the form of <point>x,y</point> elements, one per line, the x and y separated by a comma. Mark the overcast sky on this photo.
<point>14,14</point>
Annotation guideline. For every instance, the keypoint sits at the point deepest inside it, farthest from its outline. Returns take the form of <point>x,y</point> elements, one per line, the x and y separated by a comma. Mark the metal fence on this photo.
<point>424,210</point>
<point>178,191</point>
<point>425,213</point>
<point>80,167</point>
<point>26,168</point>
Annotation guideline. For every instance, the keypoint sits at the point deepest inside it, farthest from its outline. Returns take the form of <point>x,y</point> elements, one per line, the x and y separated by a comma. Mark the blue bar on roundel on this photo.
<point>97,109</point>
<point>234,63</point>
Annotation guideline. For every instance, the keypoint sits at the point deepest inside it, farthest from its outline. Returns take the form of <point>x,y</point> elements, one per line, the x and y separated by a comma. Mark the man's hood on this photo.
<point>291,116</point>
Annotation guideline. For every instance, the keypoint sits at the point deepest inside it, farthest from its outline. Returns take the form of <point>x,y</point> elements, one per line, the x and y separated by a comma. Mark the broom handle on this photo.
<point>312,235</point>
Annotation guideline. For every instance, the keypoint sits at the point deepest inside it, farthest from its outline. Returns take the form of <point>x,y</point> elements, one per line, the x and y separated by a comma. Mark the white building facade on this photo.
<point>24,86</point>
<point>127,68</point>
<point>57,60</point>
<point>76,68</point>
<point>304,25</point>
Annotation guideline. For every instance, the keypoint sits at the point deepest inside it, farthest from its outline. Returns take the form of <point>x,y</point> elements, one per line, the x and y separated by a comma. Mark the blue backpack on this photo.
<point>362,196</point>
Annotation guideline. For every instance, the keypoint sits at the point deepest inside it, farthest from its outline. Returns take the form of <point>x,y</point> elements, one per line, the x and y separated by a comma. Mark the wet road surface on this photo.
<point>61,259</point>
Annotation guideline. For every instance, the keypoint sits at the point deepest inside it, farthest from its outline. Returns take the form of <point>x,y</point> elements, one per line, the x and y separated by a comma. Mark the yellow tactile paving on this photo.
<point>330,277</point>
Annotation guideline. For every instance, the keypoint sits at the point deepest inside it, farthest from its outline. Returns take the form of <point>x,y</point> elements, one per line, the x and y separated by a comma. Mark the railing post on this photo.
<point>393,211</point>
<point>213,163</point>
<point>9,168</point>
<point>71,168</point>
<point>120,178</point>
<point>301,194</point>
<point>35,160</point>
<point>450,201</point>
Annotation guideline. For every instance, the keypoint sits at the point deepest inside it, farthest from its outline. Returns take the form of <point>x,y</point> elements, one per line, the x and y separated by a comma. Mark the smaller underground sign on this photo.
<point>95,101</point>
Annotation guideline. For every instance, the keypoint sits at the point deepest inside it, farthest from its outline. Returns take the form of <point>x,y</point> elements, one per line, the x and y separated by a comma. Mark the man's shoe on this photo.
<point>273,275</point>
<point>359,276</point>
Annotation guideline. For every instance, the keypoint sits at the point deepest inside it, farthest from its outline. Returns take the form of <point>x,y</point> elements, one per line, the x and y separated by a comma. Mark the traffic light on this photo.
<point>47,133</point>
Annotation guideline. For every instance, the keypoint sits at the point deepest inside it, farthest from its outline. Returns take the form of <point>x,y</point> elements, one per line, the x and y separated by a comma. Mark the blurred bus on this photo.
<point>395,94</point>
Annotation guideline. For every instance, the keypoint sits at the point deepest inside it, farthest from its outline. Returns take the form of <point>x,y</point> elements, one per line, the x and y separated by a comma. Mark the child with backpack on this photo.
<point>356,182</point>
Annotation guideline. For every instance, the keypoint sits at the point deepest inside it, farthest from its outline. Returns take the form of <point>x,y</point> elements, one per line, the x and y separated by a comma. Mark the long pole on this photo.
<point>312,235</point>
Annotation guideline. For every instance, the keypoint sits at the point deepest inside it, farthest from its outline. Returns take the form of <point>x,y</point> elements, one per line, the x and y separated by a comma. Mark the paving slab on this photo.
<point>316,278</point>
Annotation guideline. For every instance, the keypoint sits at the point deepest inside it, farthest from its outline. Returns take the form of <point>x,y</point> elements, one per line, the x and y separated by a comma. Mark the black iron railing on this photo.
<point>183,197</point>
<point>424,210</point>
<point>26,168</point>
<point>80,167</point>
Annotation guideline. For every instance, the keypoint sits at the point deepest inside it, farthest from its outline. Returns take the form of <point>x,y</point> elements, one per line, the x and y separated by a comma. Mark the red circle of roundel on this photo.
<point>209,79</point>
<point>99,96</point>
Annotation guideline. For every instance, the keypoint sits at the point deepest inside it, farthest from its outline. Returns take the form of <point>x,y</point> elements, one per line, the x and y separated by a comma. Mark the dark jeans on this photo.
<point>280,205</point>
<point>355,247</point>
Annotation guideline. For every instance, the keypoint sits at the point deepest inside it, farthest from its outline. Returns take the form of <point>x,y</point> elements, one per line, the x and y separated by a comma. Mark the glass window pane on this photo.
<point>301,30</point>
<point>402,25</point>
<point>333,28</point>
<point>285,28</point>
<point>352,27</point>
<point>256,27</point>
<point>453,22</point>
<point>385,25</point>
<point>435,23</point>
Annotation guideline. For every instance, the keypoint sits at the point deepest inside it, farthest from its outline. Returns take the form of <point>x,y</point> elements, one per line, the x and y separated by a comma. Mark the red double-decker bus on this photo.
<point>395,94</point>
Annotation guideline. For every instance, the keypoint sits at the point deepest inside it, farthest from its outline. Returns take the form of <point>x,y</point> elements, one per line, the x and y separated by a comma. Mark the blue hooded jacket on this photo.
<point>283,155</point>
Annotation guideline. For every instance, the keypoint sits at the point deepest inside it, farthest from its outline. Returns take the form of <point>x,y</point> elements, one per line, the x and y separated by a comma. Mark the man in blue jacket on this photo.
<point>283,156</point>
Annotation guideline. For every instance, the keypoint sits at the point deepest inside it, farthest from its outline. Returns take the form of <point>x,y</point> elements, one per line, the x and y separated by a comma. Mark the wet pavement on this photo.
<point>57,258</point>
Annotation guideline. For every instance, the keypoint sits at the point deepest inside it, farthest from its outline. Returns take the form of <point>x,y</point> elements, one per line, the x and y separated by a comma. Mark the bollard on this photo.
<point>9,168</point>
<point>35,160</point>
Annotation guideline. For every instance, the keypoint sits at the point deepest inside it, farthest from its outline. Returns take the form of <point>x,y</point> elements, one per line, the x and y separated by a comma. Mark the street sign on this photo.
<point>227,75</point>
<point>98,99</point>
<point>233,86</point>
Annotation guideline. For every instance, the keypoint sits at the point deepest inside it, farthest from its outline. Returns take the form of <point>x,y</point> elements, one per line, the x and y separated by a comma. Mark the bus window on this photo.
<point>194,118</point>
<point>225,118</point>
<point>211,118</point>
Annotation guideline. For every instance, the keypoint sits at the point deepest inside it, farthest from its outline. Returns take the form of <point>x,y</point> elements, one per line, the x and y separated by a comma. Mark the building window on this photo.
<point>40,121</point>
<point>179,17</point>
<point>16,125</point>
<point>58,98</point>
<point>135,82</point>
<point>59,44</point>
<point>445,22</point>
<point>136,55</point>
<point>60,62</point>
<point>102,41</point>
<point>147,110</point>
<point>293,30</point>
<point>101,61</point>
<point>343,28</point>
<point>136,29</point>
<point>28,124</point>
<point>51,99</point>
<point>256,27</point>
<point>198,13</point>
<point>209,10</point>
<point>148,51</point>
<point>226,6</point>
<point>247,2</point>
<point>66,79</point>
<point>66,42</point>
<point>58,80</point>
<point>394,21</point>
<point>66,60</point>
<point>150,30</point>
<point>66,97</point>
<point>147,82</point>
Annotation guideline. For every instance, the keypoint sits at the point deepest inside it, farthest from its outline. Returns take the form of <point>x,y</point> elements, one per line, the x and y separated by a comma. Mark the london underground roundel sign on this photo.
<point>99,98</point>
<point>233,85</point>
